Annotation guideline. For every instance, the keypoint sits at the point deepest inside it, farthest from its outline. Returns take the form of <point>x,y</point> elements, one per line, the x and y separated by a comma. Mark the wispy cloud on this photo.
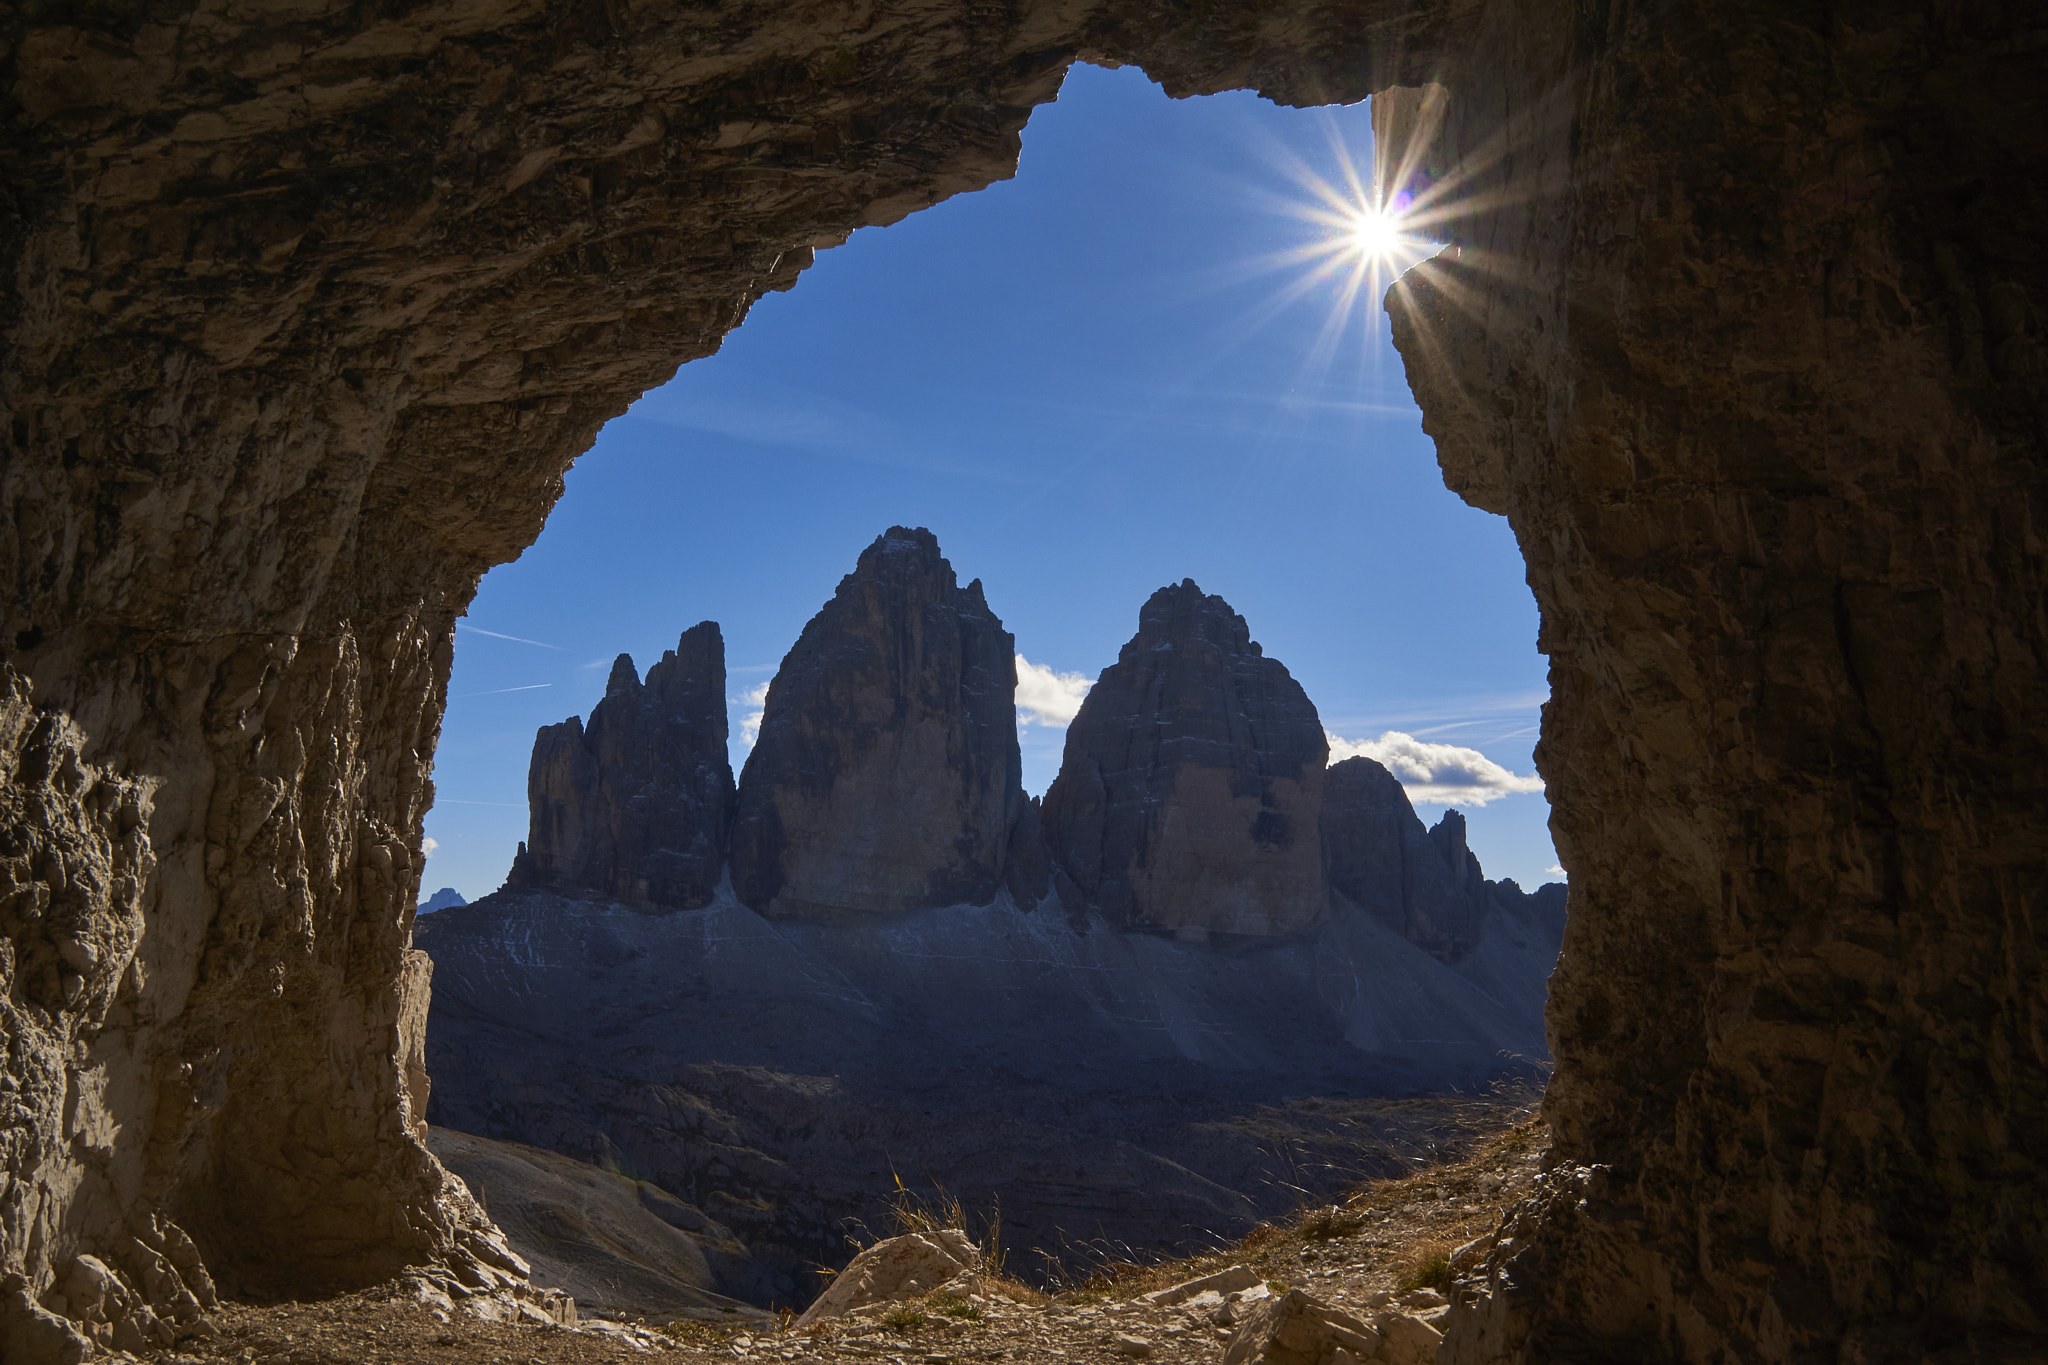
<point>1048,698</point>
<point>755,699</point>
<point>499,635</point>
<point>756,408</point>
<point>1440,774</point>
<point>427,846</point>
<point>1557,871</point>
<point>497,691</point>
<point>1484,719</point>
<point>768,411</point>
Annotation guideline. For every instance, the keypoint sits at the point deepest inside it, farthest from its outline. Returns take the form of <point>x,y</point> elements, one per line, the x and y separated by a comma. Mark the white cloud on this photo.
<point>756,700</point>
<point>427,846</point>
<point>1556,871</point>
<point>1048,698</point>
<point>1441,774</point>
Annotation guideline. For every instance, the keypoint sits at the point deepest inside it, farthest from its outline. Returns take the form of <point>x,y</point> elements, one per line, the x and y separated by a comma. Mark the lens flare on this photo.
<point>1371,214</point>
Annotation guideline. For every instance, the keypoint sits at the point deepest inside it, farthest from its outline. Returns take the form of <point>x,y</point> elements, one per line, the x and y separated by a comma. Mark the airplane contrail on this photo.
<point>499,635</point>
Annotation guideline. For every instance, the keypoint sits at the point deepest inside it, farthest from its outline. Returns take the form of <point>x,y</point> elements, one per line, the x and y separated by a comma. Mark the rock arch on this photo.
<point>309,304</point>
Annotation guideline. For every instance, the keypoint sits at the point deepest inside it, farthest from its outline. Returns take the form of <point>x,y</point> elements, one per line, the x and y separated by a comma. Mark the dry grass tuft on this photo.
<point>1426,1266</point>
<point>1328,1223</point>
<point>905,1319</point>
<point>1265,1234</point>
<point>913,1212</point>
<point>951,1306</point>
<point>997,1282</point>
<point>690,1332</point>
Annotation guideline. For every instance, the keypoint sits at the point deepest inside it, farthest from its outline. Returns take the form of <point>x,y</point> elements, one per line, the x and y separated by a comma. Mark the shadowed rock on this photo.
<point>636,806</point>
<point>886,777</point>
<point>1187,799</point>
<point>1425,883</point>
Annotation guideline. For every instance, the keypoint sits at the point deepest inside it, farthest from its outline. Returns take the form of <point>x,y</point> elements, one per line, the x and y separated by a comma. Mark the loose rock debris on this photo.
<point>1367,1279</point>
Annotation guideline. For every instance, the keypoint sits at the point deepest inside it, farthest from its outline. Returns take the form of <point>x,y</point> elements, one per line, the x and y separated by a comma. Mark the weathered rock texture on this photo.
<point>900,1267</point>
<point>1296,1329</point>
<point>1189,794</point>
<point>636,806</point>
<point>1744,335</point>
<point>1425,883</point>
<point>306,308</point>
<point>886,776</point>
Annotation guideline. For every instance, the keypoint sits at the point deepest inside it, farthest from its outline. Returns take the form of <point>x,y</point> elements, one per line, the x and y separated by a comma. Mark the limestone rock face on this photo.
<point>1426,883</point>
<point>636,806</point>
<point>1794,744</point>
<point>1189,795</point>
<point>887,776</point>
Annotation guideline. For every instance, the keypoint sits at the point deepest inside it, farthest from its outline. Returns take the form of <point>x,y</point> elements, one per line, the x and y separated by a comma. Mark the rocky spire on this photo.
<point>1187,798</point>
<point>636,806</point>
<point>886,776</point>
<point>1424,883</point>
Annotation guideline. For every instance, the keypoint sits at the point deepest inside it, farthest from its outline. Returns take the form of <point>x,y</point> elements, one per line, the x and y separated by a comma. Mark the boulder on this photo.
<point>1188,797</point>
<point>886,777</point>
<point>1295,1329</point>
<point>636,806</point>
<point>1236,1278</point>
<point>32,1335</point>
<point>895,1268</point>
<point>1407,1339</point>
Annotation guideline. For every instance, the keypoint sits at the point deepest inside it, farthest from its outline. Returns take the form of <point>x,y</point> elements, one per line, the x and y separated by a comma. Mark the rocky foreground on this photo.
<point>1390,1257</point>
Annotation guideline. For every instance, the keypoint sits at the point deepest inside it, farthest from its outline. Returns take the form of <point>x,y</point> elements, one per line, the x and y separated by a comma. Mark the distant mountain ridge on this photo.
<point>1193,798</point>
<point>443,899</point>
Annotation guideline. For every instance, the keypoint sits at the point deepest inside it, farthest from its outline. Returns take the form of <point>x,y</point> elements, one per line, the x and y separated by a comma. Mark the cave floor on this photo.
<point>1378,1244</point>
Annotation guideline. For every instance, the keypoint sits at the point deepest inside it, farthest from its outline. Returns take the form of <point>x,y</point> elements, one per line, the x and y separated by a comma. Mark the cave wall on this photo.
<point>1746,343</point>
<point>307,305</point>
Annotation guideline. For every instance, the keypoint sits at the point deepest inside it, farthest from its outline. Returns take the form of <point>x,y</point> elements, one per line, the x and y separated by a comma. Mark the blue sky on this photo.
<point>1088,381</point>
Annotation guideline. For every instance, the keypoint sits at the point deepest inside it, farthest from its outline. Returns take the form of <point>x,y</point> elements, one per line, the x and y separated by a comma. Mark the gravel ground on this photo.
<point>1379,1246</point>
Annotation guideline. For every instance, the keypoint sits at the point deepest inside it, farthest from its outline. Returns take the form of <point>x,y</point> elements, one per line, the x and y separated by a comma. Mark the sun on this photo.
<point>1376,235</point>
<point>1369,216</point>
<point>1367,225</point>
